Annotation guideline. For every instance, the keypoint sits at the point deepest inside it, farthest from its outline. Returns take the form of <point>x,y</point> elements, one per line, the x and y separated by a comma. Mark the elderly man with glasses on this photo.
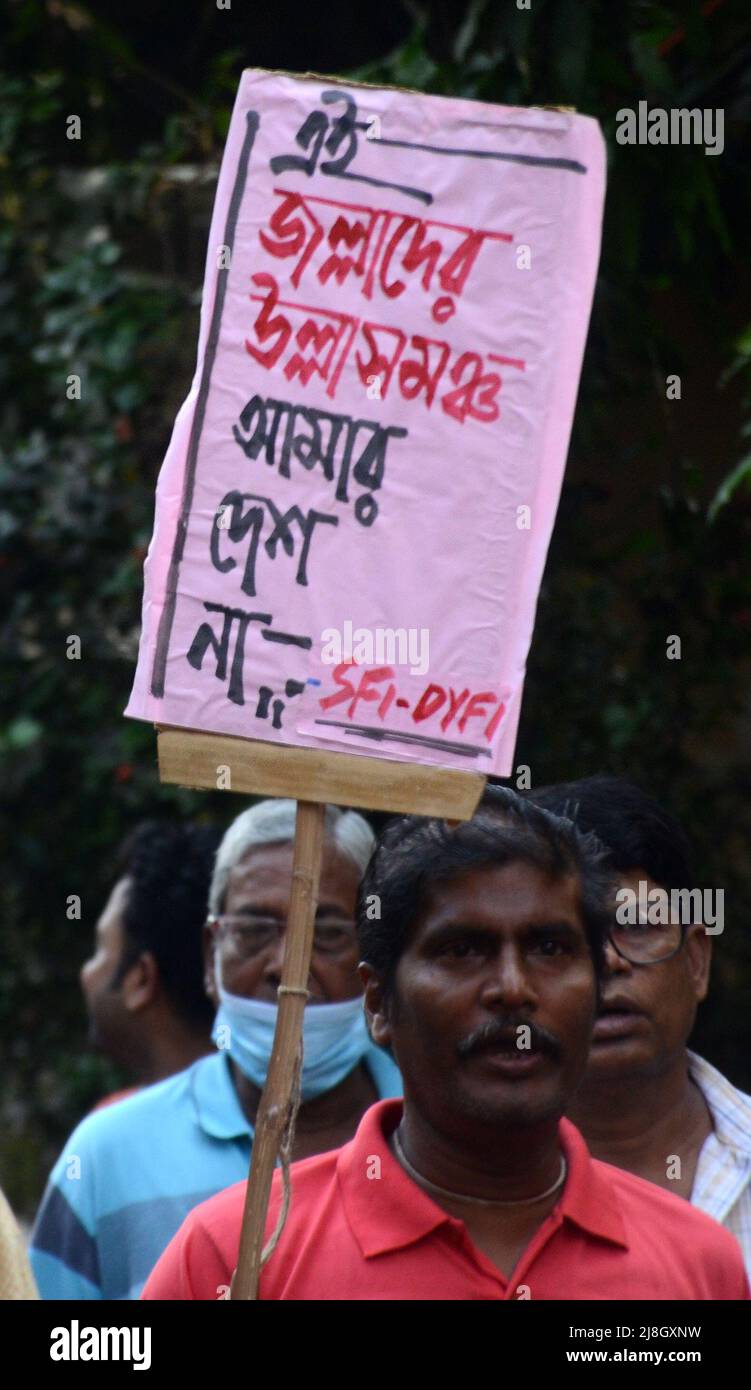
<point>131,1173</point>
<point>647,1103</point>
<point>343,1071</point>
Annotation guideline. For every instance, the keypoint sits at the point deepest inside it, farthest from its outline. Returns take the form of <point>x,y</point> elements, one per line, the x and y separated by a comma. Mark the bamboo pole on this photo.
<point>273,1111</point>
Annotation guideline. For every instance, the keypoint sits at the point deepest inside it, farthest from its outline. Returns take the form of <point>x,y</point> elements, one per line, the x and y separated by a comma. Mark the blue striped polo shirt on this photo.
<point>130,1174</point>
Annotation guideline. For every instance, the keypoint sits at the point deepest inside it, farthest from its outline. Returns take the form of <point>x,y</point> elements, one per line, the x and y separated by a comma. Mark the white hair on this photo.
<point>273,823</point>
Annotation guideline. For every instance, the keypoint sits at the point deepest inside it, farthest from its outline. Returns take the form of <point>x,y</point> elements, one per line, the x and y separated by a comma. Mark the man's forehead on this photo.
<point>272,864</point>
<point>503,896</point>
<point>261,858</point>
<point>632,877</point>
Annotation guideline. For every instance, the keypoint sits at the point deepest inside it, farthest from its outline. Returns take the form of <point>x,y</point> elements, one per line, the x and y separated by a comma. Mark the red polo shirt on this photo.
<point>359,1228</point>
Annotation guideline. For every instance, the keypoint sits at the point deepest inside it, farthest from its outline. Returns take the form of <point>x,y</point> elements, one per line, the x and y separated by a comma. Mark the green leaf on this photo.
<point>740,474</point>
<point>467,32</point>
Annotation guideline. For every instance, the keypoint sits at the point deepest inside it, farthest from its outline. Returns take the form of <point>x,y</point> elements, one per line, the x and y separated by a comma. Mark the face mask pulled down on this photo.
<point>335,1038</point>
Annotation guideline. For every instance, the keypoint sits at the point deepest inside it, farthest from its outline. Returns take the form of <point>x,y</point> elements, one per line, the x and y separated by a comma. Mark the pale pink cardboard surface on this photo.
<point>441,545</point>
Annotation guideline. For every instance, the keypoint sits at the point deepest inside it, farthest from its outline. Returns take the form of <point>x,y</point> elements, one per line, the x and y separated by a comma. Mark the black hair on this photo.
<point>638,832</point>
<point>415,853</point>
<point>169,867</point>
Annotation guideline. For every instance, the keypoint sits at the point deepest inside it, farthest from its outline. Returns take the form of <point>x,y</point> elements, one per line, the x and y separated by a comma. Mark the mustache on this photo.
<point>498,1030</point>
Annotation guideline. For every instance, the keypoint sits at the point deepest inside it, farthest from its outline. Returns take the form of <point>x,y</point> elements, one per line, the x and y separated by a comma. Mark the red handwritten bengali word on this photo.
<point>456,707</point>
<point>321,345</point>
<point>375,245</point>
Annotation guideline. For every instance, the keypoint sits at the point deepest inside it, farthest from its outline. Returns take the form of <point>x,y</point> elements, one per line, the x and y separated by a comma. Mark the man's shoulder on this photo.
<point>709,1077</point>
<point>671,1217</point>
<point>309,1178</point>
<point>314,1178</point>
<point>222,1213</point>
<point>134,1115</point>
<point>218,1221</point>
<point>729,1106</point>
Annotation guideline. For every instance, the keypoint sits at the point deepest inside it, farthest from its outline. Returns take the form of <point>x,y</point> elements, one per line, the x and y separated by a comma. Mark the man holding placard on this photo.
<point>394,315</point>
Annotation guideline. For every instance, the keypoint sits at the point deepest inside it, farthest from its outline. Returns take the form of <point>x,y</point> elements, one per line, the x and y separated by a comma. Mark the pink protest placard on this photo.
<point>355,507</point>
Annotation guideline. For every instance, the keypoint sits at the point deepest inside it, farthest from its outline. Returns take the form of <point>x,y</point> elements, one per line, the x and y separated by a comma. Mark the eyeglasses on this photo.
<point>647,943</point>
<point>252,935</point>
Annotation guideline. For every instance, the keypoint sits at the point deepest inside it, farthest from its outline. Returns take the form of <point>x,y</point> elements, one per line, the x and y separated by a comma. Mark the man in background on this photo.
<point>143,986</point>
<point>647,1103</point>
<point>131,1173</point>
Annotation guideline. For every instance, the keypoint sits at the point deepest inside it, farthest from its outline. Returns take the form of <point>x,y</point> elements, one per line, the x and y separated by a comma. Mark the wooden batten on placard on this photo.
<point>192,759</point>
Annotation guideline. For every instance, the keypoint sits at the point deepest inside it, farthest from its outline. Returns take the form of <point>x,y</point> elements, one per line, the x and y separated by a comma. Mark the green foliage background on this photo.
<point>101,254</point>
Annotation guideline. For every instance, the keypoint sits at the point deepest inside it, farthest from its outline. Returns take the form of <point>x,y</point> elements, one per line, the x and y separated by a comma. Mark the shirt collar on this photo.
<point>589,1198</point>
<point>406,1213</point>
<point>217,1104</point>
<point>729,1107</point>
<point>384,1072</point>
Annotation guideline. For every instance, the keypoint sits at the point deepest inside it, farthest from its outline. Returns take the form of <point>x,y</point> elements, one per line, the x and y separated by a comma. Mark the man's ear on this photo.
<point>141,983</point>
<point>376,1009</point>
<point>699,957</point>
<point>209,955</point>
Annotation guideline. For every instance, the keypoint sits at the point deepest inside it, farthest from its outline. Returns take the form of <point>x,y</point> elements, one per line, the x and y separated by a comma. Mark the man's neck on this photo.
<point>496,1163</point>
<point>167,1054</point>
<point>492,1161</point>
<point>335,1113</point>
<point>643,1123</point>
